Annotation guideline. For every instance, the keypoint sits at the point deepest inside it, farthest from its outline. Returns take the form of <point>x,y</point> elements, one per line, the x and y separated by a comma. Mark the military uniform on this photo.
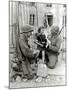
<point>53,48</point>
<point>25,55</point>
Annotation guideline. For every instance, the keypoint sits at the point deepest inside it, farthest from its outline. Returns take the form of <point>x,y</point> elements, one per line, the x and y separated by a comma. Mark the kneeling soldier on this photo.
<point>53,47</point>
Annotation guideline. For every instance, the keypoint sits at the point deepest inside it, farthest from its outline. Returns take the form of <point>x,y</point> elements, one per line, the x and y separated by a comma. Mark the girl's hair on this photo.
<point>39,29</point>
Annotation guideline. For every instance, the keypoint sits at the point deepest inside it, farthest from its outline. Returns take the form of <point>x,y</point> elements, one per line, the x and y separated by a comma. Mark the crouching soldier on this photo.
<point>24,53</point>
<point>53,47</point>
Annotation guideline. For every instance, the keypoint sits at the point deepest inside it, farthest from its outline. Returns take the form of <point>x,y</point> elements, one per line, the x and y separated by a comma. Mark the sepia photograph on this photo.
<point>37,44</point>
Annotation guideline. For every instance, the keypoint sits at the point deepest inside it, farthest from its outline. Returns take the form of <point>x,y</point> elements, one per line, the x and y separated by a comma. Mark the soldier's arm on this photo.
<point>26,50</point>
<point>55,47</point>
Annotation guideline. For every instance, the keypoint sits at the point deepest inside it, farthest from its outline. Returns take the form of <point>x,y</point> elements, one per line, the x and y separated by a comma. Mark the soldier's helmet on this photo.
<point>27,28</point>
<point>55,29</point>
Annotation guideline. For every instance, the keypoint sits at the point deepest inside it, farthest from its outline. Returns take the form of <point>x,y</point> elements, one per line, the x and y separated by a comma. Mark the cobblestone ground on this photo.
<point>56,77</point>
<point>51,80</point>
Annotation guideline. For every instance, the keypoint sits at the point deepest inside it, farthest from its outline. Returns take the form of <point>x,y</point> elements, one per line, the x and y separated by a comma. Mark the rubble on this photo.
<point>18,79</point>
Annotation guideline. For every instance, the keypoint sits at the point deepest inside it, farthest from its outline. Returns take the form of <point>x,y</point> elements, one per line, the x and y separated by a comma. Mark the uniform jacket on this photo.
<point>24,48</point>
<point>24,54</point>
<point>53,50</point>
<point>55,43</point>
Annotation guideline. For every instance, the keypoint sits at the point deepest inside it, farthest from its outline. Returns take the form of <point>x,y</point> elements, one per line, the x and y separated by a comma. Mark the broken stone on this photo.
<point>24,80</point>
<point>18,79</point>
<point>42,70</point>
<point>39,79</point>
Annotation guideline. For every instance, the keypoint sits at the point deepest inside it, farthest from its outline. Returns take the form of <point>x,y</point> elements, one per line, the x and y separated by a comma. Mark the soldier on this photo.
<point>24,53</point>
<point>53,47</point>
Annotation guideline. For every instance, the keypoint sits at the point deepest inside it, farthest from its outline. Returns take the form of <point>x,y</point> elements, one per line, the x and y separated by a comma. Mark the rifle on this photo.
<point>60,31</point>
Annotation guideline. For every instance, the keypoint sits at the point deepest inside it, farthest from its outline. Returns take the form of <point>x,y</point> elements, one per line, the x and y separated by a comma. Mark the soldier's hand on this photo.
<point>48,43</point>
<point>36,53</point>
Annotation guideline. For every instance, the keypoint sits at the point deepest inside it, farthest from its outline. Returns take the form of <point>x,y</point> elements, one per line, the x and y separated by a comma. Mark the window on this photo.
<point>32,19</point>
<point>48,20</point>
<point>48,5</point>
